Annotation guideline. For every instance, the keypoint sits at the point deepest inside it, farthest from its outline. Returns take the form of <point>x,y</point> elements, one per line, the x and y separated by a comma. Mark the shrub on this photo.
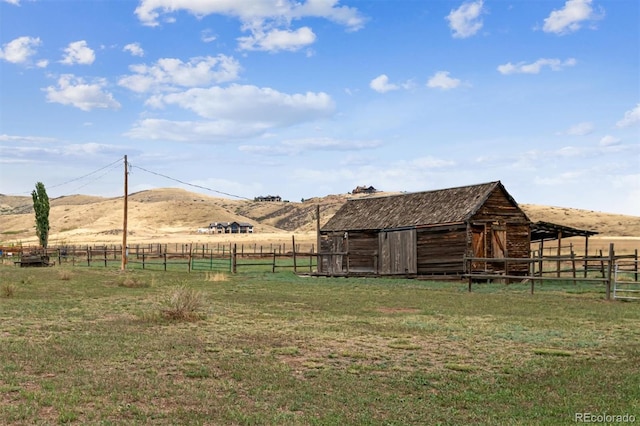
<point>217,277</point>
<point>132,282</point>
<point>184,304</point>
<point>64,275</point>
<point>7,290</point>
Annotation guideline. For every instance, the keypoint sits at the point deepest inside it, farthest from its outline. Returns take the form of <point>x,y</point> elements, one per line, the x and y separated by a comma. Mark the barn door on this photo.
<point>499,241</point>
<point>397,252</point>
<point>479,246</point>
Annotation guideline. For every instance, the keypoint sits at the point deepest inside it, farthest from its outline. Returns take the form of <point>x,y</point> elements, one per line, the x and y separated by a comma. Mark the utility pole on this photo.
<point>124,224</point>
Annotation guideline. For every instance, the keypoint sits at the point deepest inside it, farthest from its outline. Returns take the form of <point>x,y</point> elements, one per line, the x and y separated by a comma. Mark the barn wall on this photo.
<point>363,251</point>
<point>397,252</point>
<point>506,233</point>
<point>332,261</point>
<point>498,207</point>
<point>441,251</point>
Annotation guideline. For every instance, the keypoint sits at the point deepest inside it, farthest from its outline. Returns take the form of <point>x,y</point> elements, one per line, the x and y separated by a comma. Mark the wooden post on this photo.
<point>293,244</point>
<point>124,220</point>
<point>88,256</point>
<point>573,266</point>
<point>636,265</point>
<point>559,253</point>
<point>602,264</point>
<point>540,256</point>
<point>610,270</point>
<point>190,258</point>
<point>319,261</point>
<point>234,259</point>
<point>105,257</point>
<point>586,255</point>
<point>468,267</point>
<point>143,260</point>
<point>273,266</point>
<point>165,261</point>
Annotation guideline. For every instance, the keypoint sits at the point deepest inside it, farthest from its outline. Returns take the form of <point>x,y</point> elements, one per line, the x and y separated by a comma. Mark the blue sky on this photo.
<point>313,97</point>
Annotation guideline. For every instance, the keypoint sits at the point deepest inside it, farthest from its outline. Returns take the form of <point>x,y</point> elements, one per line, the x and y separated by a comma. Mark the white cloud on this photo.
<point>276,40</point>
<point>134,48</point>
<point>78,53</point>
<point>465,21</point>
<point>207,37</point>
<point>168,73</point>
<point>570,17</point>
<point>149,11</point>
<point>268,21</point>
<point>26,139</point>
<point>298,146</point>
<point>13,2</point>
<point>74,91</point>
<point>19,50</point>
<point>580,129</point>
<point>535,67</point>
<point>609,140</point>
<point>441,80</point>
<point>233,113</point>
<point>218,131</point>
<point>630,117</point>
<point>381,84</point>
<point>252,104</point>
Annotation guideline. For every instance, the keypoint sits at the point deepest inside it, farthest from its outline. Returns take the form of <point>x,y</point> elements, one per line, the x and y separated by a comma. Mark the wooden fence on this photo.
<point>209,257</point>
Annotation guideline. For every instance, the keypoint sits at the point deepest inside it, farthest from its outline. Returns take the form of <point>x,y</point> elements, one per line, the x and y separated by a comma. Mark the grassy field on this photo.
<point>100,346</point>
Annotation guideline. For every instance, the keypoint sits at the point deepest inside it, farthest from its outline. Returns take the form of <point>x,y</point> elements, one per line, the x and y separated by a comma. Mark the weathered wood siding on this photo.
<point>441,250</point>
<point>332,260</point>
<point>397,252</point>
<point>363,251</point>
<point>505,233</point>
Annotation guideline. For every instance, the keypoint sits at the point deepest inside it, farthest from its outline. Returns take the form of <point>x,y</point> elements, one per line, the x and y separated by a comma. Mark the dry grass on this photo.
<point>184,304</point>
<point>7,290</point>
<point>215,277</point>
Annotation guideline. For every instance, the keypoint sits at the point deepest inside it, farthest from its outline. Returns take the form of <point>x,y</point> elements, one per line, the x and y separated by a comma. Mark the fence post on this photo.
<point>273,266</point>
<point>88,256</point>
<point>234,259</point>
<point>610,270</point>
<point>105,256</point>
<point>293,244</point>
<point>190,258</point>
<point>467,264</point>
<point>573,266</point>
<point>636,265</point>
<point>165,261</point>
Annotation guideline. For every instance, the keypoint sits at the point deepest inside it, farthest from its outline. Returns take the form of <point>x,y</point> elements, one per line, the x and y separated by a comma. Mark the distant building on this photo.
<point>230,228</point>
<point>269,198</point>
<point>364,190</point>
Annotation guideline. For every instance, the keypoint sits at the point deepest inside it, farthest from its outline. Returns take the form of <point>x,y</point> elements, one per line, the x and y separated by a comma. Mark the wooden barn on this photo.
<point>426,233</point>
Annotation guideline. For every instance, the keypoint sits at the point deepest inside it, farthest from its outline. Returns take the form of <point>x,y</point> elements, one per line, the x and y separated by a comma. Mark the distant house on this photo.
<point>268,198</point>
<point>364,190</point>
<point>426,233</point>
<point>231,228</point>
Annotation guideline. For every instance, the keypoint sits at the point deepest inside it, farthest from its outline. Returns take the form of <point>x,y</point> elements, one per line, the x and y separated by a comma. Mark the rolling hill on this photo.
<point>169,212</point>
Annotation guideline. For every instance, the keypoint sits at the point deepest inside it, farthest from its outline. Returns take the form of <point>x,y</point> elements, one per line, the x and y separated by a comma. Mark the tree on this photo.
<point>41,207</point>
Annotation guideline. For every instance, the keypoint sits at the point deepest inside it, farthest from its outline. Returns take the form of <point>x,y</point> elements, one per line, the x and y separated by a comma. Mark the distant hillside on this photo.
<point>161,212</point>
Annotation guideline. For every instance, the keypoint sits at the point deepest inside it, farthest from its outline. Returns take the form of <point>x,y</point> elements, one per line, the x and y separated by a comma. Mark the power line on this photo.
<point>87,175</point>
<point>190,184</point>
<point>81,177</point>
<point>114,165</point>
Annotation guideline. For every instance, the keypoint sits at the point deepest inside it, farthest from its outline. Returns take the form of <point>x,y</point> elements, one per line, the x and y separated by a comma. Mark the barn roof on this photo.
<point>442,206</point>
<point>542,231</point>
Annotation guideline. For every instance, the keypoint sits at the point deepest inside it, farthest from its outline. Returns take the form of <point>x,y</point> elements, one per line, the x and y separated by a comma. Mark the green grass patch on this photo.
<point>263,348</point>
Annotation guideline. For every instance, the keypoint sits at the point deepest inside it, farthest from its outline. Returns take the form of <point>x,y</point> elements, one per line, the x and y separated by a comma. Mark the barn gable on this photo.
<point>443,206</point>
